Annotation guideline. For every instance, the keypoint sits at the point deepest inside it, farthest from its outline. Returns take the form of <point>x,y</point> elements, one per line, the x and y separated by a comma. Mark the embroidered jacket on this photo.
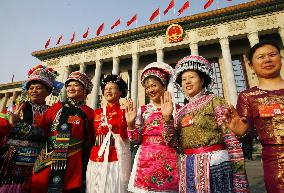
<point>21,145</point>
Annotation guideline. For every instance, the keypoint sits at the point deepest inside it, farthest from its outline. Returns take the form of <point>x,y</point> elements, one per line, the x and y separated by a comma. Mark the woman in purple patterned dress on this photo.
<point>263,106</point>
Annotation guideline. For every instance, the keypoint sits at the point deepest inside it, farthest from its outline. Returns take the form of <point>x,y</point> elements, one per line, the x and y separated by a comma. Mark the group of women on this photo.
<point>190,148</point>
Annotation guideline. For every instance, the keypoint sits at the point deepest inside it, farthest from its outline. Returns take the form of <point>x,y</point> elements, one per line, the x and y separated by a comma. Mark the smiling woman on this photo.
<point>24,136</point>
<point>210,152</point>
<point>109,165</point>
<point>155,163</point>
<point>61,165</point>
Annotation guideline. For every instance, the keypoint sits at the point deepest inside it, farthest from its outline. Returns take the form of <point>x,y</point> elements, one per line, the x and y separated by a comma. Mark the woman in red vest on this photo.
<point>109,165</point>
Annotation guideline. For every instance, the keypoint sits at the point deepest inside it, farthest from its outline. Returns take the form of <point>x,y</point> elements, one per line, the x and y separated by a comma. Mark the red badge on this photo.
<point>270,110</point>
<point>75,120</point>
<point>187,121</point>
<point>174,33</point>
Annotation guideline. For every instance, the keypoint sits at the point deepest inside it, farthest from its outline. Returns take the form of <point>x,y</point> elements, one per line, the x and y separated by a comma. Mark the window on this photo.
<point>239,73</point>
<point>217,87</point>
<point>178,96</point>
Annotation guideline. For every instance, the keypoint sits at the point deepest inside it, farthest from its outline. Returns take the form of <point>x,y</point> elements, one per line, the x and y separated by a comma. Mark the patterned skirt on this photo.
<point>109,177</point>
<point>154,170</point>
<point>206,172</point>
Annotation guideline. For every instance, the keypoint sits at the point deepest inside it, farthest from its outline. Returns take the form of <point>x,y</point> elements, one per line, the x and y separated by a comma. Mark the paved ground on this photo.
<point>255,175</point>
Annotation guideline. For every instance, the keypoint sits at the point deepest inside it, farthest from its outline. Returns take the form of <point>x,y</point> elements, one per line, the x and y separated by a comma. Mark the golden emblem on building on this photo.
<point>174,33</point>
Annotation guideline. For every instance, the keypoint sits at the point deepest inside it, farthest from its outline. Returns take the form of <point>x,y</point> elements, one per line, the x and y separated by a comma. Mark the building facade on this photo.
<point>223,36</point>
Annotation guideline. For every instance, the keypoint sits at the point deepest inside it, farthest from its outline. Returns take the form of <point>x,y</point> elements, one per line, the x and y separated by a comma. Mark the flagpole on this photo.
<point>136,23</point>
<point>119,23</point>
<point>159,15</point>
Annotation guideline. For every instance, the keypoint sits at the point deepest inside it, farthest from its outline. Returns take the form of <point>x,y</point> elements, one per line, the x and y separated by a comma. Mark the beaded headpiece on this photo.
<point>192,62</point>
<point>82,78</point>
<point>117,80</point>
<point>160,70</point>
<point>46,76</point>
<point>42,74</point>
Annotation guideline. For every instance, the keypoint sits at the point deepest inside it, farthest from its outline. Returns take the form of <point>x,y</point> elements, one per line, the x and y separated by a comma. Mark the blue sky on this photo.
<point>27,24</point>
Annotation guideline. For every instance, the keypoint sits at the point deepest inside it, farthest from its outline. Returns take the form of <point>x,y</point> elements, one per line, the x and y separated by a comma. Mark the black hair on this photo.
<point>156,78</point>
<point>261,44</point>
<point>205,77</point>
<point>122,86</point>
<point>49,90</point>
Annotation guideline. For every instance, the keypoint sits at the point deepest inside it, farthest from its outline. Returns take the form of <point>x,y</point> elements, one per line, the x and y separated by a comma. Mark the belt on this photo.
<point>205,149</point>
<point>100,138</point>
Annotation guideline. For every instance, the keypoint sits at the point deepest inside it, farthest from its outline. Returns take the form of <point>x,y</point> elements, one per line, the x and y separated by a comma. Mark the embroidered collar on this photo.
<point>200,94</point>
<point>38,108</point>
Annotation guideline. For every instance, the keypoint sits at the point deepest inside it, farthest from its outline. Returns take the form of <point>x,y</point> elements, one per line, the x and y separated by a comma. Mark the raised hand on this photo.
<point>130,114</point>
<point>167,106</point>
<point>15,117</point>
<point>234,122</point>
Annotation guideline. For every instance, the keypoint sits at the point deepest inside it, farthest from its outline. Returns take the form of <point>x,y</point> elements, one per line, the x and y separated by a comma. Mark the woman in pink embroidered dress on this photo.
<point>155,164</point>
<point>263,106</point>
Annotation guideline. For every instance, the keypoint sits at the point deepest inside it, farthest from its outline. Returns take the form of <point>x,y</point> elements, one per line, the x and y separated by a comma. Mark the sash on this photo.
<point>60,146</point>
<point>59,160</point>
<point>123,155</point>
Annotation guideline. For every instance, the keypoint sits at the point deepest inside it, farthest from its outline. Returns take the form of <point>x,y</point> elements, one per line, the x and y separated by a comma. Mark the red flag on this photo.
<point>100,29</point>
<point>209,2</point>
<point>171,5</point>
<point>134,18</point>
<point>59,39</point>
<point>184,7</point>
<point>72,38</point>
<point>154,14</point>
<point>85,35</point>
<point>47,43</point>
<point>116,23</point>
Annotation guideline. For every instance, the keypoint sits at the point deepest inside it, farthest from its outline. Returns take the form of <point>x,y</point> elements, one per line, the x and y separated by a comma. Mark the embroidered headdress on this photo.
<point>116,80</point>
<point>193,62</point>
<point>44,75</point>
<point>82,78</point>
<point>160,70</point>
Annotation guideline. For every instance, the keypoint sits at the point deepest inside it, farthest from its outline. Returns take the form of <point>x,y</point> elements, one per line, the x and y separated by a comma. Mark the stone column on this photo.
<point>65,76</point>
<point>115,68</point>
<point>253,38</point>
<point>3,105</point>
<point>228,71</point>
<point>160,55</point>
<point>281,33</point>
<point>134,82</point>
<point>194,48</point>
<point>15,95</point>
<point>96,83</point>
<point>83,67</point>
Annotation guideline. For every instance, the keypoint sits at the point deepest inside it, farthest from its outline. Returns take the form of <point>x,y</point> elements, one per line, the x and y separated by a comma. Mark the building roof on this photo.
<point>11,85</point>
<point>231,13</point>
